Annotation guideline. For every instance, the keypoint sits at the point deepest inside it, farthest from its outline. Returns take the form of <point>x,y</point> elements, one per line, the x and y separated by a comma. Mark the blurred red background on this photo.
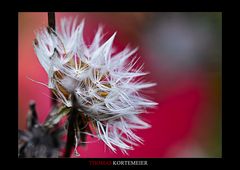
<point>187,121</point>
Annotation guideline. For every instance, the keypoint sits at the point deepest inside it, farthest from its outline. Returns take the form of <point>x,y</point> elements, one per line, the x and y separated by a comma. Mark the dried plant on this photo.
<point>98,89</point>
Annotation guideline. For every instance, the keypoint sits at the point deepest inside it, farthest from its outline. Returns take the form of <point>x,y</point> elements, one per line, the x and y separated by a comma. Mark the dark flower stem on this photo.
<point>52,24</point>
<point>51,20</point>
<point>72,126</point>
<point>73,111</point>
<point>70,134</point>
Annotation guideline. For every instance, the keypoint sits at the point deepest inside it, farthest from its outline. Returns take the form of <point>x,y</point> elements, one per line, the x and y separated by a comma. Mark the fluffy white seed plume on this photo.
<point>104,84</point>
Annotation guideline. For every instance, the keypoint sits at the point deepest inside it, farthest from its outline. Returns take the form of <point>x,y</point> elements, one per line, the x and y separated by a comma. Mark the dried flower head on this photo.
<point>39,141</point>
<point>105,84</point>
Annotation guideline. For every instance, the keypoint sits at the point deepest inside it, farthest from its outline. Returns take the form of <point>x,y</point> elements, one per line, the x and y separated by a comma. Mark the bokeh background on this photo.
<point>182,52</point>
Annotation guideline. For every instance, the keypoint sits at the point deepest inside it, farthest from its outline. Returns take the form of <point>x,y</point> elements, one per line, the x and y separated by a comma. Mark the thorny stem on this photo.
<point>52,24</point>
